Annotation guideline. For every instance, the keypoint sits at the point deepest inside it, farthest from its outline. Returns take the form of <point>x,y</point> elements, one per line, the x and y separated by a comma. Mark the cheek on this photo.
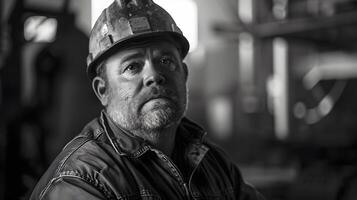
<point>181,88</point>
<point>124,98</point>
<point>118,94</point>
<point>181,82</point>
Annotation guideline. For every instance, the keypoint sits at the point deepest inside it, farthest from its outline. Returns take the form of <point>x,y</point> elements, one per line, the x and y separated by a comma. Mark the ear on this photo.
<point>99,88</point>
<point>185,69</point>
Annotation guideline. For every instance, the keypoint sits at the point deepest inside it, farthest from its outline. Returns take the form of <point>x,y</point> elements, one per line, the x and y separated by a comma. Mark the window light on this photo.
<point>40,29</point>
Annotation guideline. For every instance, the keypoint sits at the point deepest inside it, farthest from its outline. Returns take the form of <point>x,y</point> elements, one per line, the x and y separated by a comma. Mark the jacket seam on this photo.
<point>60,167</point>
<point>73,174</point>
<point>142,193</point>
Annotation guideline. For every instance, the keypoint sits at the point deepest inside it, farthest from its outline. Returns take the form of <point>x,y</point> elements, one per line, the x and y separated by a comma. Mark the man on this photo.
<point>142,146</point>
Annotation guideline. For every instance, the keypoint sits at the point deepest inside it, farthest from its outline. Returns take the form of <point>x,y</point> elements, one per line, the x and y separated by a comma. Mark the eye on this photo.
<point>132,68</point>
<point>168,61</point>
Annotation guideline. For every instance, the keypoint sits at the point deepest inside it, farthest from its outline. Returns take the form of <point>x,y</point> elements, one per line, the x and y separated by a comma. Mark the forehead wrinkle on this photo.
<point>165,50</point>
<point>142,49</point>
<point>132,56</point>
<point>129,54</point>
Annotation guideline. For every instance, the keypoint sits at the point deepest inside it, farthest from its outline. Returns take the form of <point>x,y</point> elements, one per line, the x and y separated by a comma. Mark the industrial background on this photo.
<point>274,82</point>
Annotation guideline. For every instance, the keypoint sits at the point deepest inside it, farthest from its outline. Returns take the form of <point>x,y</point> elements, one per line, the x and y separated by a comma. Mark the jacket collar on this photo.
<point>122,141</point>
<point>128,144</point>
<point>192,137</point>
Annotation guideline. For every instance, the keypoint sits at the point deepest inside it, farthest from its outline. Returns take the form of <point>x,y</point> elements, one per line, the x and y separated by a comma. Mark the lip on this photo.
<point>157,98</point>
<point>157,93</point>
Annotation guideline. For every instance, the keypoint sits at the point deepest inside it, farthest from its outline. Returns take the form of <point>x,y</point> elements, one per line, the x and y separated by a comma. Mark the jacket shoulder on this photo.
<point>78,159</point>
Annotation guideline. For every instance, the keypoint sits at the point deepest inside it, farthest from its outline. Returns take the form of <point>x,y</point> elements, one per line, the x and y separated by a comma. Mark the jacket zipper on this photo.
<point>175,171</point>
<point>191,176</point>
<point>189,180</point>
<point>186,190</point>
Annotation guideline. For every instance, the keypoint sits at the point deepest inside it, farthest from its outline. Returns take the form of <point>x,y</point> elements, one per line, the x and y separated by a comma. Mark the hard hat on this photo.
<point>126,21</point>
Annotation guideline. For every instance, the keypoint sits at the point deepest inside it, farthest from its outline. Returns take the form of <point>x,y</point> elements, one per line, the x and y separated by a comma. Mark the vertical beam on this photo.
<point>281,93</point>
<point>246,58</point>
<point>245,11</point>
<point>247,72</point>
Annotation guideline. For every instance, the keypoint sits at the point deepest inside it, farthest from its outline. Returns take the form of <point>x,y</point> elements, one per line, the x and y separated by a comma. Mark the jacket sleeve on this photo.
<point>248,192</point>
<point>70,189</point>
<point>243,191</point>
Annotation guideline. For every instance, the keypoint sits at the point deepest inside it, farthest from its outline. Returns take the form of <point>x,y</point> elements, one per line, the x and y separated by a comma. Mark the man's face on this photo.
<point>146,87</point>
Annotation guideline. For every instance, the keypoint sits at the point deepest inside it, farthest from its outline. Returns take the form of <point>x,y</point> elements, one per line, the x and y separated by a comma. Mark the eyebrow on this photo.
<point>164,52</point>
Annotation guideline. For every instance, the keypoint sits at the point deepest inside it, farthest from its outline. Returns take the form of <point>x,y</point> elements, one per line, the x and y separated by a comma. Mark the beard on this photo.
<point>149,115</point>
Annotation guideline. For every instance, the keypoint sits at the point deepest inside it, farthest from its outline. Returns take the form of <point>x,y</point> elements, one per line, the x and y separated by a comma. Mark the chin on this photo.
<point>159,119</point>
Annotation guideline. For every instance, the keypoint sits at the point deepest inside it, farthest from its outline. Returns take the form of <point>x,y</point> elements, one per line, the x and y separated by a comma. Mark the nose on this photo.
<point>153,76</point>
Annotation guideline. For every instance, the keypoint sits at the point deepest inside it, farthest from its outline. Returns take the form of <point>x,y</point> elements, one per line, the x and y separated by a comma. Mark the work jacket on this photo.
<point>105,162</point>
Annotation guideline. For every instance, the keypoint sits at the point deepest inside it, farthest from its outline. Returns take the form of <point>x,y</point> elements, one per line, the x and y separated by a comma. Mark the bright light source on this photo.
<point>97,7</point>
<point>184,13</point>
<point>245,11</point>
<point>40,29</point>
<point>220,114</point>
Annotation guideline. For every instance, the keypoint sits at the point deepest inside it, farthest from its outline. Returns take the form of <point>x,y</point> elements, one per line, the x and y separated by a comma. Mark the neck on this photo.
<point>163,140</point>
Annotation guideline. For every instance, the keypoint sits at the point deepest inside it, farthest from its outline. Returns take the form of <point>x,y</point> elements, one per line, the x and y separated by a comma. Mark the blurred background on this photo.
<point>273,81</point>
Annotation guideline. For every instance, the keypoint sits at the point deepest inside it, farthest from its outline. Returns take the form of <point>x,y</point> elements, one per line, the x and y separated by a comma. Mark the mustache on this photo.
<point>160,92</point>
